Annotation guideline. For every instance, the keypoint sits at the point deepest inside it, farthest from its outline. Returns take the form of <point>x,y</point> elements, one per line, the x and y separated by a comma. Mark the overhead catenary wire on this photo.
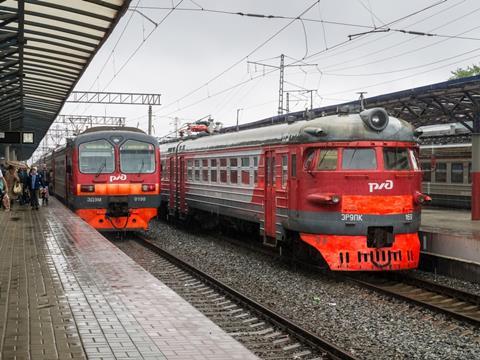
<point>258,47</point>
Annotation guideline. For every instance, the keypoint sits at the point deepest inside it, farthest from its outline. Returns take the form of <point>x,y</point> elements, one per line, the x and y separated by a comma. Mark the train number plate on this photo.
<point>352,217</point>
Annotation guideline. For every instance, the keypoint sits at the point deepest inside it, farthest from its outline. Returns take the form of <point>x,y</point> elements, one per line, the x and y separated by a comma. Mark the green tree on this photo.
<point>469,71</point>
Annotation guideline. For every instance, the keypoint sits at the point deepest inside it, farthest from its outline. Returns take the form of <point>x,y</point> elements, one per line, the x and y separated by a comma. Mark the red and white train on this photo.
<point>109,177</point>
<point>349,186</point>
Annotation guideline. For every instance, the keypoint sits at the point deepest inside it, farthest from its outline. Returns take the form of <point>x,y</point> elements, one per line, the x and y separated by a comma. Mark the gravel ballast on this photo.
<point>369,325</point>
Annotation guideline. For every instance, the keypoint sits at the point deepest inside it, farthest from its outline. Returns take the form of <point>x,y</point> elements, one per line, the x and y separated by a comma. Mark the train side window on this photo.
<point>284,171</point>
<point>197,170</point>
<point>359,159</point>
<point>441,172</point>
<point>190,170</point>
<point>395,159</point>
<point>413,159</point>
<point>309,156</point>
<point>427,173</point>
<point>456,173</point>
<point>213,170</point>
<point>245,174</point>
<point>223,170</point>
<point>293,170</point>
<point>327,159</point>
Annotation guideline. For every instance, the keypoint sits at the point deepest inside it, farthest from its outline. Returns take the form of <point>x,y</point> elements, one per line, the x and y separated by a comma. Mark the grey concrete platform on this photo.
<point>68,293</point>
<point>454,239</point>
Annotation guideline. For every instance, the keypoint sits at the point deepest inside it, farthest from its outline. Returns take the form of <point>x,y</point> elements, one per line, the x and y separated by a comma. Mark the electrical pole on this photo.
<point>282,78</point>
<point>149,119</point>
<point>238,112</point>
<point>280,88</point>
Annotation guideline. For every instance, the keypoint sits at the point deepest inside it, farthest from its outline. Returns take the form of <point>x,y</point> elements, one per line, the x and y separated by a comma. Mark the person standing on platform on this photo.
<point>12,180</point>
<point>22,174</point>
<point>3,192</point>
<point>34,185</point>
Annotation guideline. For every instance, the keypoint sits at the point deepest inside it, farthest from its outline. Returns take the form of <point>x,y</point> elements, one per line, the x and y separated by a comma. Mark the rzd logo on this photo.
<point>387,185</point>
<point>122,177</point>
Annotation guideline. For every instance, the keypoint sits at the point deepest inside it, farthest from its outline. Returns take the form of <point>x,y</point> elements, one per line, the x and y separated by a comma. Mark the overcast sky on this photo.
<point>190,48</point>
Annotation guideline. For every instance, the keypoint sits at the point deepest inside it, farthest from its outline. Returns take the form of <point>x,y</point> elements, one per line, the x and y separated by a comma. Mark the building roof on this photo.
<point>45,46</point>
<point>446,102</point>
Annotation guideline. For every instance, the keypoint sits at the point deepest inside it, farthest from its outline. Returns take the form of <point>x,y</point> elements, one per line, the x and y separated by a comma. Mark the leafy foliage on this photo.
<point>469,71</point>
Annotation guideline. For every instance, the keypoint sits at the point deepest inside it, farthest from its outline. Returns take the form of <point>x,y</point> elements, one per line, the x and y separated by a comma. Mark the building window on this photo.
<point>469,173</point>
<point>245,162</point>
<point>234,162</point>
<point>223,162</point>
<point>441,172</point>
<point>456,173</point>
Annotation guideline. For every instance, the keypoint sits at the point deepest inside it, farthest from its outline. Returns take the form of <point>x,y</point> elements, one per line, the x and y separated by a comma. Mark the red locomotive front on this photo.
<point>110,178</point>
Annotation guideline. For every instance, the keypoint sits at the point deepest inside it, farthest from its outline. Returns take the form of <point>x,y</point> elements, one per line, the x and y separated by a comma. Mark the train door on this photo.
<point>270,199</point>
<point>171,183</point>
<point>181,185</point>
<point>293,184</point>
<point>69,177</point>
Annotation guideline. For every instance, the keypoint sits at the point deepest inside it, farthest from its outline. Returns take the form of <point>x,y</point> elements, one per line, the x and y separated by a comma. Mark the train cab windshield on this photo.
<point>96,157</point>
<point>359,159</point>
<point>137,157</point>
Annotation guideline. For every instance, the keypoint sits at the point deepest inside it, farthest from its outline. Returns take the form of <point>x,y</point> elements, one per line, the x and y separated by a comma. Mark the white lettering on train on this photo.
<point>387,185</point>
<point>352,217</point>
<point>121,177</point>
<point>94,199</point>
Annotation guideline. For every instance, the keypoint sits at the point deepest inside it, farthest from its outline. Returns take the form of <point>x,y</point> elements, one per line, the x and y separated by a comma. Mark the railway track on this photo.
<point>453,302</point>
<point>266,333</point>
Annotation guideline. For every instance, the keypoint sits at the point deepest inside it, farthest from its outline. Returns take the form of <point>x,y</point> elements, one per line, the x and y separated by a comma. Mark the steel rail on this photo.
<point>332,351</point>
<point>439,298</point>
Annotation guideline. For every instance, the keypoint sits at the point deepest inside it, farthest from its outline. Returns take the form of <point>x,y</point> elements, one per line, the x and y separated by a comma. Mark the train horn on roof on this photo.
<point>376,118</point>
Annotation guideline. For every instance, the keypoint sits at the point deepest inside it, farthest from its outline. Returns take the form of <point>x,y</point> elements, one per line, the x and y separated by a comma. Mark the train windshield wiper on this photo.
<point>100,169</point>
<point>141,167</point>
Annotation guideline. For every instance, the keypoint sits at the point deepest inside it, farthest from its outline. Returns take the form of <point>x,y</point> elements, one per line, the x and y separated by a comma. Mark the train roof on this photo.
<point>112,133</point>
<point>349,127</point>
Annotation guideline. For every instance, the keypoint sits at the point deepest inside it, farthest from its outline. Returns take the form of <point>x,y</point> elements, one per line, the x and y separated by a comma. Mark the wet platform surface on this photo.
<point>68,293</point>
<point>452,235</point>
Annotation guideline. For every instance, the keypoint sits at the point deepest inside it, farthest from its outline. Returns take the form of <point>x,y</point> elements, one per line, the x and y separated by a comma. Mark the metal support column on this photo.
<point>149,119</point>
<point>476,168</point>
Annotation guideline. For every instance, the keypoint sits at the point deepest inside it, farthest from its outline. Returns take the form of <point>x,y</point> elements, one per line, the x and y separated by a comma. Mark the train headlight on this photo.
<point>87,188</point>
<point>422,199</point>
<point>376,118</point>
<point>324,199</point>
<point>148,187</point>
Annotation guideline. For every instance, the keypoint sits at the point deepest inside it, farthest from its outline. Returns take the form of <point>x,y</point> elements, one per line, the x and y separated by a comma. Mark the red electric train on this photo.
<point>109,176</point>
<point>346,187</point>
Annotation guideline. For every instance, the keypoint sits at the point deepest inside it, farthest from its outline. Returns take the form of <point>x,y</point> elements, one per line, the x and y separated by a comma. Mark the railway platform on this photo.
<point>68,293</point>
<point>450,243</point>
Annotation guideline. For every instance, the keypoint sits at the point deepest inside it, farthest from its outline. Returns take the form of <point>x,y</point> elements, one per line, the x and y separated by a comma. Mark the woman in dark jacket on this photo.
<point>34,184</point>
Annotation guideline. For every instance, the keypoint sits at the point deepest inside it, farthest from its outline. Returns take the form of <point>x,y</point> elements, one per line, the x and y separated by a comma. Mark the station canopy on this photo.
<point>454,101</point>
<point>45,46</point>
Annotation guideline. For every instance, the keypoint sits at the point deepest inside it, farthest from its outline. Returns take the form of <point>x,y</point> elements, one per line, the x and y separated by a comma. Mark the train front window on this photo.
<point>396,159</point>
<point>359,159</point>
<point>96,157</point>
<point>137,157</point>
<point>327,159</point>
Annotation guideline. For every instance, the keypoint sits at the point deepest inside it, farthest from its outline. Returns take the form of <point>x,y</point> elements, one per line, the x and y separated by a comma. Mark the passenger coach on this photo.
<point>349,186</point>
<point>109,177</point>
